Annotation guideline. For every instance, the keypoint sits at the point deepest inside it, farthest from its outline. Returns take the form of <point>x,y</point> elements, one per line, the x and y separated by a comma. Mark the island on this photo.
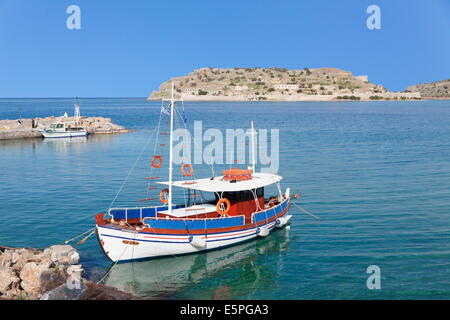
<point>277,84</point>
<point>29,128</point>
<point>433,90</point>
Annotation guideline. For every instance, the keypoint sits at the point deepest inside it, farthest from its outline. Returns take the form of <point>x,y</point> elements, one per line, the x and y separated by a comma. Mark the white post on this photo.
<point>172,107</point>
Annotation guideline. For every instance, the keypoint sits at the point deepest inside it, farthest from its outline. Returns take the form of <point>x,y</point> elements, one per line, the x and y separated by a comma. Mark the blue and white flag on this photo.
<point>165,111</point>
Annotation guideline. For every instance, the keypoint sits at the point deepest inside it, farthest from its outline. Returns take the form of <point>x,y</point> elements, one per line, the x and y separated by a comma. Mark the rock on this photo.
<point>52,278</point>
<point>5,259</point>
<point>7,278</point>
<point>63,292</point>
<point>21,257</point>
<point>63,253</point>
<point>31,276</point>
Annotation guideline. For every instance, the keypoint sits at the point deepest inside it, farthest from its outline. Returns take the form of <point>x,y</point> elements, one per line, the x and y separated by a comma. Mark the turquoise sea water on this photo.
<point>376,173</point>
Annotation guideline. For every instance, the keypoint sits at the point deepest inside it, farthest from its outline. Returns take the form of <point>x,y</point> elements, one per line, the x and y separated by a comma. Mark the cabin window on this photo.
<point>260,192</point>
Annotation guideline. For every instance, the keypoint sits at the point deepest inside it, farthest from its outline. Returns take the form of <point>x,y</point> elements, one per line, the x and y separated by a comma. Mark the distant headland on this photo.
<point>281,84</point>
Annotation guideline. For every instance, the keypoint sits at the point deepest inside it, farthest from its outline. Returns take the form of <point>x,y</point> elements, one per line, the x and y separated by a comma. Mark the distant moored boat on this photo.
<point>61,129</point>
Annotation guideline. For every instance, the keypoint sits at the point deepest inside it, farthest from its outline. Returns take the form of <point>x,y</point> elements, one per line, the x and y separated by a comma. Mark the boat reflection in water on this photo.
<point>236,271</point>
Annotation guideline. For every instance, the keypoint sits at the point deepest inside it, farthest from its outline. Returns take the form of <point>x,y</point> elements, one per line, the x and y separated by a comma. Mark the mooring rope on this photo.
<point>84,239</point>
<point>305,211</point>
<point>114,264</point>
<point>80,235</point>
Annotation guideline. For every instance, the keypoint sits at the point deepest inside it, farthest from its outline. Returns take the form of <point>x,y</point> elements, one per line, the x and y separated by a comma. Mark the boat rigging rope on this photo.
<point>154,149</point>
<point>129,172</point>
<point>305,211</point>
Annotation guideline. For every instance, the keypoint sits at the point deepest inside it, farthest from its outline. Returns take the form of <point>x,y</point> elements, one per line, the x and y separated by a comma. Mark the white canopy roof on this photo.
<point>218,184</point>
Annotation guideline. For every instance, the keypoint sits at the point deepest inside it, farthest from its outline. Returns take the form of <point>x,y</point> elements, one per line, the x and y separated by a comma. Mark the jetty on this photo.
<point>53,273</point>
<point>29,128</point>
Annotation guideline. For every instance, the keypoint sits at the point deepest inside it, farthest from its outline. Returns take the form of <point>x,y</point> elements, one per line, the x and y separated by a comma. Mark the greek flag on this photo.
<point>165,111</point>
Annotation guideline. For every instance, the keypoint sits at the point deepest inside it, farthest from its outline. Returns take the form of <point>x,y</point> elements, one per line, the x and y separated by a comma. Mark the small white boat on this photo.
<point>60,130</point>
<point>64,130</point>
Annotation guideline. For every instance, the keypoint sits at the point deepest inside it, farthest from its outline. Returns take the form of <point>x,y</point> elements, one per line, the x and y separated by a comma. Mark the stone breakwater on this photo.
<point>50,274</point>
<point>29,128</point>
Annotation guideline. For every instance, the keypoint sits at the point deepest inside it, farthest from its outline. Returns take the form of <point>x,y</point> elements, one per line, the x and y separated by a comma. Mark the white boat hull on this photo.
<point>120,245</point>
<point>68,134</point>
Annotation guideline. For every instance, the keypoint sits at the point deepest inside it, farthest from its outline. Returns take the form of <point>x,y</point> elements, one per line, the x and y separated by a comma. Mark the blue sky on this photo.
<point>127,48</point>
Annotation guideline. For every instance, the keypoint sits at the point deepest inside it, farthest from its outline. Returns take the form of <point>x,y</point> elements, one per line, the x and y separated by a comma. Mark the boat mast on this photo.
<point>172,109</point>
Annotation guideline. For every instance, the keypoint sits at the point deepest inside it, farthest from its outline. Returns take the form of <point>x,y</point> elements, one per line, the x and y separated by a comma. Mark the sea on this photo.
<point>376,176</point>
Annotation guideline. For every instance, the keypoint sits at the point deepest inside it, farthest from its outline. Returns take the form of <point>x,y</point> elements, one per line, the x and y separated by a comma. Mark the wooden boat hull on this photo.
<point>126,245</point>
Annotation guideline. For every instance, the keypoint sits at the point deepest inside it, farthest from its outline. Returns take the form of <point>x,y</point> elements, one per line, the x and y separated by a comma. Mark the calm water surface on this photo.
<point>376,173</point>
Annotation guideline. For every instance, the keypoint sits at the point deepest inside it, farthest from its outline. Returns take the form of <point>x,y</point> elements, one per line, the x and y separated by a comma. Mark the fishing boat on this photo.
<point>238,211</point>
<point>61,129</point>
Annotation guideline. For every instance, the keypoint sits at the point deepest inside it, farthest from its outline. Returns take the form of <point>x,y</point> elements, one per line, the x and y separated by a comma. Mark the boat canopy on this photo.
<point>218,184</point>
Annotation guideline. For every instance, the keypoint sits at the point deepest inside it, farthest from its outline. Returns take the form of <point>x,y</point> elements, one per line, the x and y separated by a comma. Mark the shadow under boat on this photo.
<point>167,277</point>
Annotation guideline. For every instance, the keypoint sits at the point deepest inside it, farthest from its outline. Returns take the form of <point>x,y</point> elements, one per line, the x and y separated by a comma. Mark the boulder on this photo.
<point>7,279</point>
<point>63,254</point>
<point>31,276</point>
<point>63,292</point>
<point>5,259</point>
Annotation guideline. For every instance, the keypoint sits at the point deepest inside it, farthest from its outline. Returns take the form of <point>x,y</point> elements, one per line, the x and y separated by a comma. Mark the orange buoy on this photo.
<point>156,161</point>
<point>161,196</point>
<point>189,172</point>
<point>227,206</point>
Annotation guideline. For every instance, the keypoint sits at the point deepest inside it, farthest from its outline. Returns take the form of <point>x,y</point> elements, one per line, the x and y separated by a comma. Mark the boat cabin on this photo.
<point>243,189</point>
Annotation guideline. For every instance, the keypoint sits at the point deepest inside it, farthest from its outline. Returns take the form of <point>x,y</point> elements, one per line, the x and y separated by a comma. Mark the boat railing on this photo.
<point>135,212</point>
<point>194,223</point>
<point>263,215</point>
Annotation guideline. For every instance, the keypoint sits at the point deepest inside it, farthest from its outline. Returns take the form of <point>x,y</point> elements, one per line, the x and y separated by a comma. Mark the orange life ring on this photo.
<point>157,164</point>
<point>219,206</point>
<point>190,172</point>
<point>161,196</point>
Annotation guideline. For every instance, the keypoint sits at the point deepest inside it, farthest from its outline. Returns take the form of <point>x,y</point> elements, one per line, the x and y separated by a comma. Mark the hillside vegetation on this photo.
<point>275,84</point>
<point>437,89</point>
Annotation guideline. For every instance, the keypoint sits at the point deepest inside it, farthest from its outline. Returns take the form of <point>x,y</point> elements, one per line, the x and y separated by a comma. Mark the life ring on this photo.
<point>158,163</point>
<point>161,196</point>
<point>190,172</point>
<point>219,206</point>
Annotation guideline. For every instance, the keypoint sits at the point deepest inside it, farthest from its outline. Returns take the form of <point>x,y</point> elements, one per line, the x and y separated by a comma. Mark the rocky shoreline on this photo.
<point>29,128</point>
<point>50,274</point>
